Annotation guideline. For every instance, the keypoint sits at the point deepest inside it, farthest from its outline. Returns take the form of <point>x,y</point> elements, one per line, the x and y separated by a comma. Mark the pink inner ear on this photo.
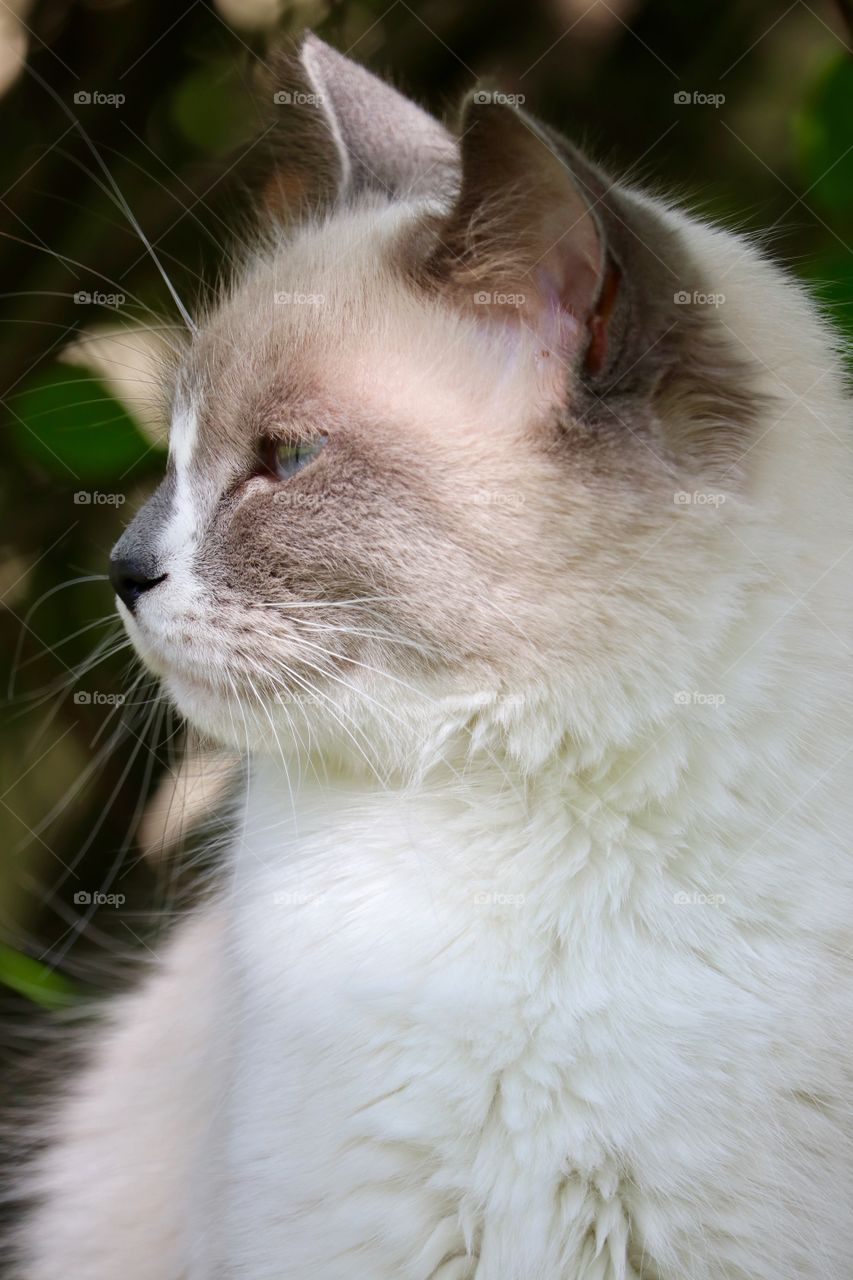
<point>569,278</point>
<point>525,222</point>
<point>557,323</point>
<point>576,259</point>
<point>577,286</point>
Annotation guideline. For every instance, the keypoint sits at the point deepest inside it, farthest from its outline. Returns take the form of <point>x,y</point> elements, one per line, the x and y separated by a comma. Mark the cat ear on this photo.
<point>524,233</point>
<point>341,131</point>
<point>384,139</point>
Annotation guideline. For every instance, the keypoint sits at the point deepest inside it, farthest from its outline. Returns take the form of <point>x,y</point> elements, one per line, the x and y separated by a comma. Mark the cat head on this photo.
<point>438,454</point>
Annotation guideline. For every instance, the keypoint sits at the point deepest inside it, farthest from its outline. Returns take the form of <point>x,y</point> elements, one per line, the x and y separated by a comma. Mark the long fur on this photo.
<point>533,959</point>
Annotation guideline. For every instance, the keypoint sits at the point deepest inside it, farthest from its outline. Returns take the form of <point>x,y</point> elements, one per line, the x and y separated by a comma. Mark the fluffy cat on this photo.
<point>506,531</point>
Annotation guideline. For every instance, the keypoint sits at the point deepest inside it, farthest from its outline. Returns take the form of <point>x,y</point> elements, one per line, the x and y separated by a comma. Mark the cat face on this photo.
<point>419,446</point>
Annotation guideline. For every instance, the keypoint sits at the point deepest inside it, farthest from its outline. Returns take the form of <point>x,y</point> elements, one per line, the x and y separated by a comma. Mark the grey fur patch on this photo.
<point>141,540</point>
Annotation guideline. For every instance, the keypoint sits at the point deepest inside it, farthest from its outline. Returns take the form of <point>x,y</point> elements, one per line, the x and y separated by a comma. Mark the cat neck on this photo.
<point>477,819</point>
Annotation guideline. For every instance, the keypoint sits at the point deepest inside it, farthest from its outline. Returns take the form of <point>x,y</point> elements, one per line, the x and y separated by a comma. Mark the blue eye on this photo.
<point>285,457</point>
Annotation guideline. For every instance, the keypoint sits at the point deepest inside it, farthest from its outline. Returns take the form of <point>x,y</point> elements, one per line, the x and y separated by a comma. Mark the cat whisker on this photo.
<point>116,193</point>
<point>77,786</point>
<point>46,595</point>
<point>118,285</point>
<point>58,644</point>
<point>328,604</point>
<point>363,633</point>
<point>421,694</point>
<point>335,711</point>
<point>38,698</point>
<point>58,954</point>
<point>262,704</point>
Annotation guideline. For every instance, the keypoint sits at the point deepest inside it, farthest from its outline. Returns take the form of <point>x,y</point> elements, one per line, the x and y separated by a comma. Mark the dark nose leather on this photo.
<point>130,580</point>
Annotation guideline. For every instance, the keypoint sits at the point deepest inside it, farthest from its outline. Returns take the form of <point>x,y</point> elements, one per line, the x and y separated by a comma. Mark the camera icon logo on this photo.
<point>682,98</point>
<point>82,698</point>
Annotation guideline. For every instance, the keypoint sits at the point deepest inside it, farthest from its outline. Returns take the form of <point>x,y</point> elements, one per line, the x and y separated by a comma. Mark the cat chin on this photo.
<point>220,713</point>
<point>200,703</point>
<point>207,711</point>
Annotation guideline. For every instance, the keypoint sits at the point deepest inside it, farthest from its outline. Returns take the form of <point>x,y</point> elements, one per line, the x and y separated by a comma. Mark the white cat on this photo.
<point>507,532</point>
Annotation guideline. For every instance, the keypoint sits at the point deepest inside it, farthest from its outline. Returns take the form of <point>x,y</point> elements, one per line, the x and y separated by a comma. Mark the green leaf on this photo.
<point>204,109</point>
<point>67,420</point>
<point>822,133</point>
<point>36,981</point>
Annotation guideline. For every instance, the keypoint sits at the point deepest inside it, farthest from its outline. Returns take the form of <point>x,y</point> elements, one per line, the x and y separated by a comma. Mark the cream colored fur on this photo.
<point>533,957</point>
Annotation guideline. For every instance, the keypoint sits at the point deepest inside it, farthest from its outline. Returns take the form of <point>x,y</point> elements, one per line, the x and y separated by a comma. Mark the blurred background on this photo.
<point>745,111</point>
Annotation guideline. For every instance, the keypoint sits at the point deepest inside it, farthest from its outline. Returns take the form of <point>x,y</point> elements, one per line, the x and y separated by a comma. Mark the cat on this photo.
<point>506,534</point>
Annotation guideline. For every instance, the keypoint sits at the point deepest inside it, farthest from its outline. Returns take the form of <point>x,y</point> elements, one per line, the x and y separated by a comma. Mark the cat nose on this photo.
<point>131,579</point>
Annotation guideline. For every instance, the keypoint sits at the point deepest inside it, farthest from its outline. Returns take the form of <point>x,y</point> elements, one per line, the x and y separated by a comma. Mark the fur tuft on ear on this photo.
<point>339,131</point>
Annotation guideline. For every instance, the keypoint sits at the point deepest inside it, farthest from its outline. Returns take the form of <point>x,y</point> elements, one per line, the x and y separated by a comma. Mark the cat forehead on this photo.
<point>293,309</point>
<point>329,331</point>
<point>435,384</point>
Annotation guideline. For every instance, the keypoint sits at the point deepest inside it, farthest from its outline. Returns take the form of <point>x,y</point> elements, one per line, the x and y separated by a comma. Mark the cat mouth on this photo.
<point>175,668</point>
<point>212,681</point>
<point>193,684</point>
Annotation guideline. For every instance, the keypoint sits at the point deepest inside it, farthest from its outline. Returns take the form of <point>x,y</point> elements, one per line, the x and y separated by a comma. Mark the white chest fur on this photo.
<point>483,1035</point>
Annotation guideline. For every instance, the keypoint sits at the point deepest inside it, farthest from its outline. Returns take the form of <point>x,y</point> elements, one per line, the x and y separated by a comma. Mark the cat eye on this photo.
<point>283,458</point>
